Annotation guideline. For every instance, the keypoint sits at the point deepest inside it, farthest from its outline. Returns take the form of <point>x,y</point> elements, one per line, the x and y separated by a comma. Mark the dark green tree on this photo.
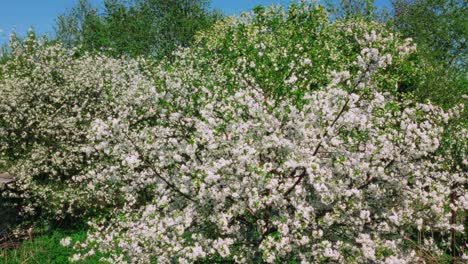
<point>70,27</point>
<point>440,29</point>
<point>344,9</point>
<point>135,27</point>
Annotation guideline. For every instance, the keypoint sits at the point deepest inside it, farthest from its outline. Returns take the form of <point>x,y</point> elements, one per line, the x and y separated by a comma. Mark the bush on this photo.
<point>48,99</point>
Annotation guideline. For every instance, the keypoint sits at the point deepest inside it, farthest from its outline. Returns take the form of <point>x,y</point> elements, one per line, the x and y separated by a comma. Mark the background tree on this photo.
<point>135,27</point>
<point>343,9</point>
<point>439,27</point>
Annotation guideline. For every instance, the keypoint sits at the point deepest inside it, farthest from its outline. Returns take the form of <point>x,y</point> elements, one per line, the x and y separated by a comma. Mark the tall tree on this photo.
<point>440,29</point>
<point>70,27</point>
<point>135,27</point>
<point>343,9</point>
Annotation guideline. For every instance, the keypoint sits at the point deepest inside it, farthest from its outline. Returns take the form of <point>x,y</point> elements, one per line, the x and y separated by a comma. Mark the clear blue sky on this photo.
<point>19,15</point>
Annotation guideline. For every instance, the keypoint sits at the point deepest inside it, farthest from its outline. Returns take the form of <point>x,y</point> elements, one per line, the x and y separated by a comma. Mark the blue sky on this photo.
<point>19,15</point>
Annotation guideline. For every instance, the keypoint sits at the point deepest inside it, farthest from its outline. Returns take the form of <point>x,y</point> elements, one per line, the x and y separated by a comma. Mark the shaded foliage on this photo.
<point>439,27</point>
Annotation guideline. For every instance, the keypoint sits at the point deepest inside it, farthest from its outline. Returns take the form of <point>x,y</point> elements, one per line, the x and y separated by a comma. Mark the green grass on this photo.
<point>45,249</point>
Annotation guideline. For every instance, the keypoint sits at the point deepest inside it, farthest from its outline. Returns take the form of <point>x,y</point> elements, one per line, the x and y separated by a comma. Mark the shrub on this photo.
<point>48,100</point>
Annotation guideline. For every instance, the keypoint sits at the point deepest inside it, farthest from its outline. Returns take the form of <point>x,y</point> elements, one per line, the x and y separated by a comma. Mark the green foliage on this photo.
<point>281,56</point>
<point>133,28</point>
<point>352,8</point>
<point>439,27</point>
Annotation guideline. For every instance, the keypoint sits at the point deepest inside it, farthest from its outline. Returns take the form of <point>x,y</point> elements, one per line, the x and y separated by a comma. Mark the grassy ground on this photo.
<point>45,249</point>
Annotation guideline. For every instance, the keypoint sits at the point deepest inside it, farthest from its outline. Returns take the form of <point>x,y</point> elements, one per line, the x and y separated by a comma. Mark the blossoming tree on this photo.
<point>282,138</point>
